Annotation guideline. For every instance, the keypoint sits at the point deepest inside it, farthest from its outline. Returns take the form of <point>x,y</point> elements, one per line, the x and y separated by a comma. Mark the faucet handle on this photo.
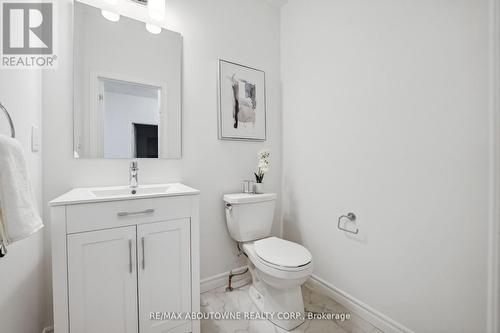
<point>134,165</point>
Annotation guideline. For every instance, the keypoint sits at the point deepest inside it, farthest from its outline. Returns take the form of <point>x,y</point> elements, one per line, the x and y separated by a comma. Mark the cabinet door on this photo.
<point>164,263</point>
<point>102,279</point>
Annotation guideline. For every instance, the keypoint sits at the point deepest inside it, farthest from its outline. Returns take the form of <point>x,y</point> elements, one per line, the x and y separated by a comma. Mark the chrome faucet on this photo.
<point>134,174</point>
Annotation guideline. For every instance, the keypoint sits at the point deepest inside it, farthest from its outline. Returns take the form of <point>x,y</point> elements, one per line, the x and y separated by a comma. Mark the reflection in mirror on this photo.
<point>131,118</point>
<point>127,88</point>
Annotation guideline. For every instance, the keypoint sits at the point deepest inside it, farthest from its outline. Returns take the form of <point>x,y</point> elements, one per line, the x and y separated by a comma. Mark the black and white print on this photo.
<point>242,109</point>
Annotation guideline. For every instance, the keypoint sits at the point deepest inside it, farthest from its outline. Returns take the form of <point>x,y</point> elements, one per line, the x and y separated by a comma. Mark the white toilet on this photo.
<point>278,267</point>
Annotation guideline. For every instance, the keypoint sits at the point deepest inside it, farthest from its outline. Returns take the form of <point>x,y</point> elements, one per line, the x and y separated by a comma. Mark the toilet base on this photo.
<point>285,305</point>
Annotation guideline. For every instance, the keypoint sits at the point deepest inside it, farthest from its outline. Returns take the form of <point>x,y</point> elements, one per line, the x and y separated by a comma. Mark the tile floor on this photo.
<point>238,300</point>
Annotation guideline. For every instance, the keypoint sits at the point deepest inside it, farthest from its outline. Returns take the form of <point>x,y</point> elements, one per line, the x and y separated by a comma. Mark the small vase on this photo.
<point>259,188</point>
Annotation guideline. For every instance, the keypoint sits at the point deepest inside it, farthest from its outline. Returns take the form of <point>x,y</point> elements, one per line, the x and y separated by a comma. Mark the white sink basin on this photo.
<point>126,191</point>
<point>117,193</point>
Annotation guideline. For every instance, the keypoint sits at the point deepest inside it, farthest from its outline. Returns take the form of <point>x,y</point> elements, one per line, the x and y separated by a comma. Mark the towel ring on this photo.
<point>11,123</point>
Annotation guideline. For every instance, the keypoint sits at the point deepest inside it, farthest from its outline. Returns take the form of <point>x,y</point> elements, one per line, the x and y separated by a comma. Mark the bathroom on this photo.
<point>384,109</point>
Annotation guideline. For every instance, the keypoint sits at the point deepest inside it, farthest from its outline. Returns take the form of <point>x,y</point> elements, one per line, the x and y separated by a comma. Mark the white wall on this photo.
<point>386,115</point>
<point>250,35</point>
<point>22,272</point>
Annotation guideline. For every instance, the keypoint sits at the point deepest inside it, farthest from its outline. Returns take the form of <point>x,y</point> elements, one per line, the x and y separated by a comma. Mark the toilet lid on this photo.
<point>282,253</point>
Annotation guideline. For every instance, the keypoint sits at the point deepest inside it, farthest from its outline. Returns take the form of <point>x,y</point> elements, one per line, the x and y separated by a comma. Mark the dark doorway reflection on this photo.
<point>146,141</point>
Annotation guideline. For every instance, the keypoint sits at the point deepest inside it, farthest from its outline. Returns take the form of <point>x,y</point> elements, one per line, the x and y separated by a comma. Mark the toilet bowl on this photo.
<point>278,267</point>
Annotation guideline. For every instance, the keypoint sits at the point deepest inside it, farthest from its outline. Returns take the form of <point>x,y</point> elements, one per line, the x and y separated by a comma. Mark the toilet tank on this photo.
<point>249,216</point>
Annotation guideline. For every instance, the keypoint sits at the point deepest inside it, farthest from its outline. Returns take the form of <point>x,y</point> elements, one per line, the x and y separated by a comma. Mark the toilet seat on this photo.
<point>282,253</point>
<point>273,269</point>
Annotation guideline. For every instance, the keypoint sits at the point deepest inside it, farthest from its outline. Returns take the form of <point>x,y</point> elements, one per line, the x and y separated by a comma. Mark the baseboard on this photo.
<point>220,280</point>
<point>377,319</point>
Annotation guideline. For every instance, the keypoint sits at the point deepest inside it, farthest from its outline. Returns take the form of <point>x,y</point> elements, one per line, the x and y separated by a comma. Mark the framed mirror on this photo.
<point>127,88</point>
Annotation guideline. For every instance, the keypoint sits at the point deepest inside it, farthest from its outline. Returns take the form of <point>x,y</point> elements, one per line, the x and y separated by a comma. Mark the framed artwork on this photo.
<point>242,102</point>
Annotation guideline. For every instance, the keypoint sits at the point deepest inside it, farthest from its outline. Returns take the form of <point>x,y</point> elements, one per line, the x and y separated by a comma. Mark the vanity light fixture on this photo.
<point>152,28</point>
<point>109,15</point>
<point>113,17</point>
<point>156,9</point>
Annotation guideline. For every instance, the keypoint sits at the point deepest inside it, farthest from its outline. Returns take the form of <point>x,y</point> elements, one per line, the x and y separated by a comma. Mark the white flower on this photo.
<point>264,154</point>
<point>264,161</point>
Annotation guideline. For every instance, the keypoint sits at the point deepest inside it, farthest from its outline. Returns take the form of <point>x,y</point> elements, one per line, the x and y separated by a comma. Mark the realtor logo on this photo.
<point>28,34</point>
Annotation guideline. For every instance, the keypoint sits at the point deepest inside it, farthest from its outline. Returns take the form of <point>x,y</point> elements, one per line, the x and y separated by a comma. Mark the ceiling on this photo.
<point>277,3</point>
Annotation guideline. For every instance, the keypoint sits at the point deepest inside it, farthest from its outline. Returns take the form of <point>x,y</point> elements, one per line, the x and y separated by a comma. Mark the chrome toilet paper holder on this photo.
<point>351,217</point>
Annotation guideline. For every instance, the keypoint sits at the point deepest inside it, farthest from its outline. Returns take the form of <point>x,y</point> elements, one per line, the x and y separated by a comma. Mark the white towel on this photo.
<point>19,216</point>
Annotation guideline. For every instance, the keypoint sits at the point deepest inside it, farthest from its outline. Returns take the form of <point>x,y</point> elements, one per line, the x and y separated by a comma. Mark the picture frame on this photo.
<point>242,112</point>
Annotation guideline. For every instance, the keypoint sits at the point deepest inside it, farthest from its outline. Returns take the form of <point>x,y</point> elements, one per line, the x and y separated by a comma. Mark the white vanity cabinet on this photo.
<point>102,288</point>
<point>118,259</point>
<point>164,272</point>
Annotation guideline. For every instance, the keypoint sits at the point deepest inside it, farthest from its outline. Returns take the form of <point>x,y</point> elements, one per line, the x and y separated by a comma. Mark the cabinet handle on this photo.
<point>143,254</point>
<point>130,266</point>
<point>147,211</point>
